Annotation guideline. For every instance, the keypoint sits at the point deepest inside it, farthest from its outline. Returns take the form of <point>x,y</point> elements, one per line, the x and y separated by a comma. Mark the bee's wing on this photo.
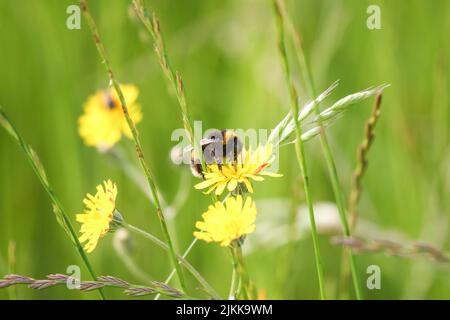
<point>187,149</point>
<point>203,142</point>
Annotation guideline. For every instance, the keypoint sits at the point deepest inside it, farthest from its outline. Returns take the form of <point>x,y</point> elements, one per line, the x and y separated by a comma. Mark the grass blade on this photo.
<point>299,148</point>
<point>135,135</point>
<point>39,170</point>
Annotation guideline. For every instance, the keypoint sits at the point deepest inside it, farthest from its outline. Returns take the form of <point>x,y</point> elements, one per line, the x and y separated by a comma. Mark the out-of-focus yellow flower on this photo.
<point>229,222</point>
<point>103,123</point>
<point>251,166</point>
<point>97,215</point>
<point>262,294</point>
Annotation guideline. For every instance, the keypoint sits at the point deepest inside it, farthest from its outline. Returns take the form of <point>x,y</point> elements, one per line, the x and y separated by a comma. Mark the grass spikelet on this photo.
<point>388,247</point>
<point>342,104</point>
<point>362,161</point>
<point>153,26</point>
<point>53,280</point>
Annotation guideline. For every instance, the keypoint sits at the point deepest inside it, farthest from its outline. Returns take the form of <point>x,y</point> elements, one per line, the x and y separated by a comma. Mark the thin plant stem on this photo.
<point>337,190</point>
<point>245,288</point>
<point>191,246</point>
<point>135,134</point>
<point>234,281</point>
<point>122,251</point>
<point>358,174</point>
<point>119,156</point>
<point>172,273</point>
<point>299,147</point>
<point>181,259</point>
<point>12,266</point>
<point>362,161</point>
<point>174,79</point>
<point>127,288</point>
<point>39,170</point>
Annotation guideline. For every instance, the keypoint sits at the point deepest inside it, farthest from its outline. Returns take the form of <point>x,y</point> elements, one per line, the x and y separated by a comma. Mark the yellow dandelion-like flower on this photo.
<point>251,166</point>
<point>103,123</point>
<point>229,222</point>
<point>97,215</point>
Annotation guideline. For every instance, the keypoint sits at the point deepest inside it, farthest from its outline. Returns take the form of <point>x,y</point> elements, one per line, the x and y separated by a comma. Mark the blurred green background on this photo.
<point>227,54</point>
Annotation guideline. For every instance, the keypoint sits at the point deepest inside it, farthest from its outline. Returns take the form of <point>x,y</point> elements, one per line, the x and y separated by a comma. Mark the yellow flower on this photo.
<point>229,175</point>
<point>97,215</point>
<point>223,224</point>
<point>103,123</point>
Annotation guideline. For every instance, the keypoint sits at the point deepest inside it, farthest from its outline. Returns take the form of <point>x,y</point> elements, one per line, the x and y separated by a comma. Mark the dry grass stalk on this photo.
<point>362,161</point>
<point>104,281</point>
<point>393,248</point>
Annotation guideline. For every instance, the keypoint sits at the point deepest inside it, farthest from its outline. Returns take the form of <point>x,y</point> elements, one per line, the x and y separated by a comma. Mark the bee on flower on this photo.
<point>102,123</point>
<point>251,165</point>
<point>99,215</point>
<point>227,223</point>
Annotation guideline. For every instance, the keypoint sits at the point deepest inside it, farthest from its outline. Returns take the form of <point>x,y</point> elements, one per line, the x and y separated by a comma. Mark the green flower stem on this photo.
<point>180,259</point>
<point>148,174</point>
<point>245,289</point>
<point>39,170</point>
<point>188,250</point>
<point>234,281</point>
<point>299,147</point>
<point>172,273</point>
<point>338,193</point>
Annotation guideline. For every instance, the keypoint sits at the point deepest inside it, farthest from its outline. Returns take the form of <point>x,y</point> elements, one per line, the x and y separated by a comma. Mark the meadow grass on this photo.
<point>60,214</point>
<point>338,193</point>
<point>133,129</point>
<point>299,148</point>
<point>229,63</point>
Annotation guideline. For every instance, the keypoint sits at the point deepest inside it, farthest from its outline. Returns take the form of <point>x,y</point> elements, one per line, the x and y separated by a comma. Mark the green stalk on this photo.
<point>172,273</point>
<point>299,147</point>
<point>140,153</point>
<point>244,289</point>
<point>337,190</point>
<point>179,258</point>
<point>151,23</point>
<point>188,250</point>
<point>12,266</point>
<point>234,281</point>
<point>39,170</point>
<point>174,81</point>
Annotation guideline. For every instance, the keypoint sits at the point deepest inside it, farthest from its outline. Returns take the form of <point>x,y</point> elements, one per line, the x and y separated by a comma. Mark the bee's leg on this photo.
<point>196,168</point>
<point>232,150</point>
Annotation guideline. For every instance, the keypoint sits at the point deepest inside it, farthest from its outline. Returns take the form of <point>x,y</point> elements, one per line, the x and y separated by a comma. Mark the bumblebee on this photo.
<point>108,100</point>
<point>218,147</point>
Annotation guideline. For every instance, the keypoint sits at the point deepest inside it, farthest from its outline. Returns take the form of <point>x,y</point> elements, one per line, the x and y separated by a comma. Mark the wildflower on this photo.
<point>227,223</point>
<point>251,166</point>
<point>98,214</point>
<point>103,123</point>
